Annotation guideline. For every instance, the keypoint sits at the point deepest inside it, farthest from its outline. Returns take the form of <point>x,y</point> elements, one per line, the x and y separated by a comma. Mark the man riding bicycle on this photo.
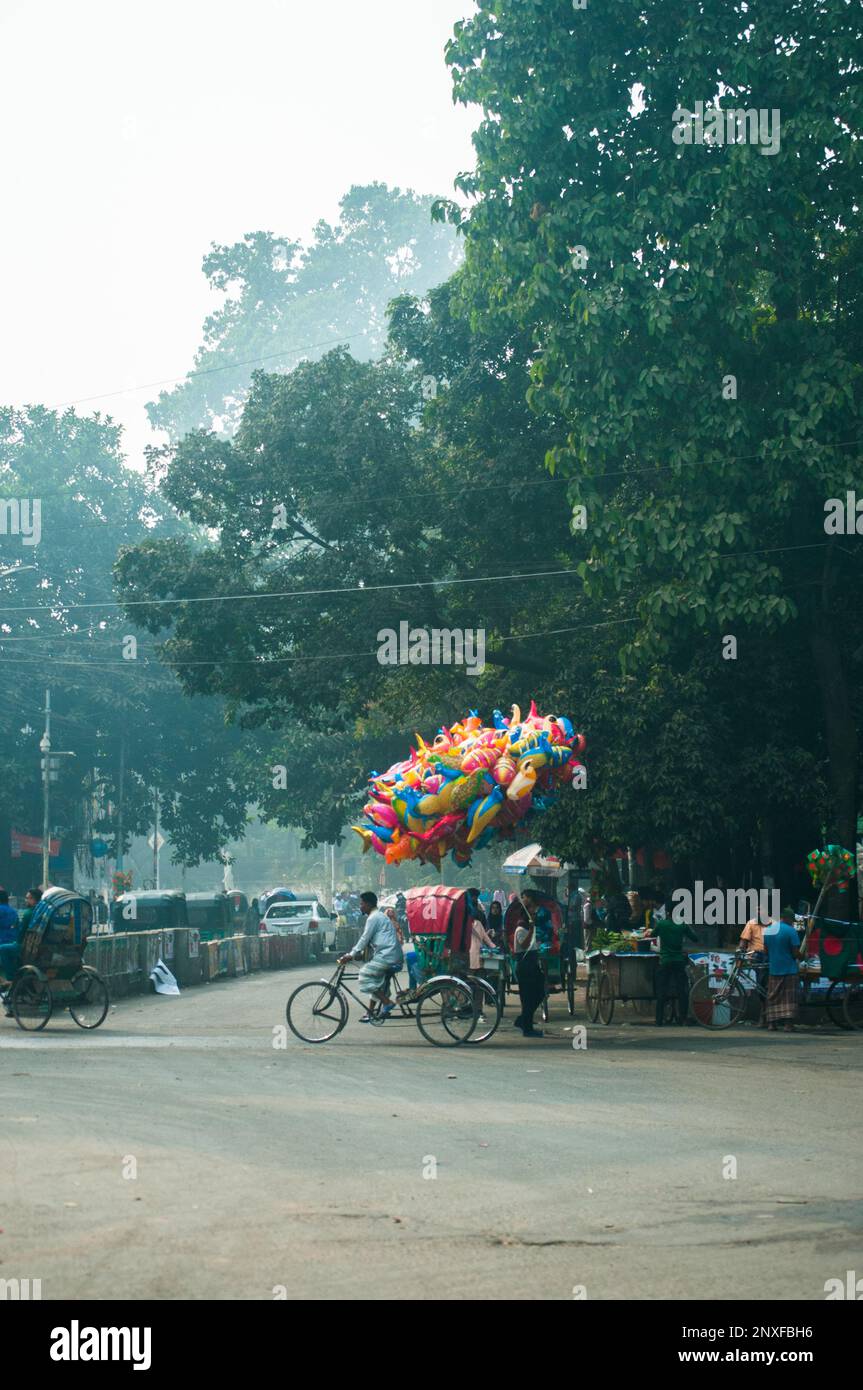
<point>374,977</point>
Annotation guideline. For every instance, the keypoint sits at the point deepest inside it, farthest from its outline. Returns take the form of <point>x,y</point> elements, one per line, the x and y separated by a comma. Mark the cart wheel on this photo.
<point>316,1012</point>
<point>606,1000</point>
<point>834,1004</point>
<point>89,1008</point>
<point>593,996</point>
<point>30,1000</point>
<point>545,1008</point>
<point>717,1008</point>
<point>852,1006</point>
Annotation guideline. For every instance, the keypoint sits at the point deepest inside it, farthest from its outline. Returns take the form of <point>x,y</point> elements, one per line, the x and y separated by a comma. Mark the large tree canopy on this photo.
<point>695,311</point>
<point>60,628</point>
<point>286,303</point>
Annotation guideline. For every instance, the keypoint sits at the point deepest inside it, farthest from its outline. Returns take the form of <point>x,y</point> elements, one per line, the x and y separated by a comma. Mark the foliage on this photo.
<point>705,262</point>
<point>286,303</point>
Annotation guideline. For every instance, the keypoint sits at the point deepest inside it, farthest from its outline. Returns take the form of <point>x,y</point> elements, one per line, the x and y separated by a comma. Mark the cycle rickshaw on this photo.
<point>52,969</point>
<point>450,1007</point>
<point>558,963</point>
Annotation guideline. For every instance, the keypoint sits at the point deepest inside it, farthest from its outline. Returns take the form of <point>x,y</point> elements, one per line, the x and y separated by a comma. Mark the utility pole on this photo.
<point>156,838</point>
<point>45,747</point>
<point>118,854</point>
<point>50,763</point>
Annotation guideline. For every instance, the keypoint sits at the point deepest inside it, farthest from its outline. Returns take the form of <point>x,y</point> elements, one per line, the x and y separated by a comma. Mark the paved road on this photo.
<point>310,1168</point>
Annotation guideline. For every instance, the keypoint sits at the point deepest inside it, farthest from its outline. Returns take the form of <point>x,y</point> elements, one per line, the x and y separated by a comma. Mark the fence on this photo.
<point>126,959</point>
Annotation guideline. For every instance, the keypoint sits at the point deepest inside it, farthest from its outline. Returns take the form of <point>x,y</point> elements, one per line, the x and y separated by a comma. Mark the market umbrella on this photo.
<point>531,860</point>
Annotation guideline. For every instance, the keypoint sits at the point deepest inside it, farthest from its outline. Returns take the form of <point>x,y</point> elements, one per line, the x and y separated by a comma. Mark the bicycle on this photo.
<point>725,1004</point>
<point>446,1011</point>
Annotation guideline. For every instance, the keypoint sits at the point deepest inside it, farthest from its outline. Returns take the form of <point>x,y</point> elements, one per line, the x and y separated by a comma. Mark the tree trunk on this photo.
<point>843,747</point>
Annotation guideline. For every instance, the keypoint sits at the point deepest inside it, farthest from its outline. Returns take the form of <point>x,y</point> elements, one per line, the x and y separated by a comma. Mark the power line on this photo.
<point>305,660</point>
<point>208,371</point>
<point>372,489</point>
<point>369,588</point>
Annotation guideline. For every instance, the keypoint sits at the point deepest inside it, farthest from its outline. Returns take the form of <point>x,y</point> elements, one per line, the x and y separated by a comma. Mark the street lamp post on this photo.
<point>49,775</point>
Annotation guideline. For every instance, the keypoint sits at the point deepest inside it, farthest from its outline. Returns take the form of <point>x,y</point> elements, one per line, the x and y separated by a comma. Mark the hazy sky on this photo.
<point>138,133</point>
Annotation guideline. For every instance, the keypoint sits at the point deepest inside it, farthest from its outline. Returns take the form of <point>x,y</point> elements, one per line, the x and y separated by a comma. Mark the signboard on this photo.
<point>31,844</point>
<point>157,843</point>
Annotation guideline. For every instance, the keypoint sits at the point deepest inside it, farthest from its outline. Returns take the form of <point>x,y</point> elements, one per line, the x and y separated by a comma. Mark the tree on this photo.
<point>695,311</point>
<point>286,303</point>
<point>60,628</point>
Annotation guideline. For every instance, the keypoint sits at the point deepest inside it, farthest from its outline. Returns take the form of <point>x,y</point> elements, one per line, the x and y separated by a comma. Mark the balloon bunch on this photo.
<point>832,866</point>
<point>471,784</point>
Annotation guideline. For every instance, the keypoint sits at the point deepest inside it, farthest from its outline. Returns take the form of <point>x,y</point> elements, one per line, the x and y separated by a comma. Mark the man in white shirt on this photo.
<point>374,977</point>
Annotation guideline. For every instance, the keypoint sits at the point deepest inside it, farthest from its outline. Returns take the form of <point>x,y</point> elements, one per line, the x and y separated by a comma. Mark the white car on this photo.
<point>303,915</point>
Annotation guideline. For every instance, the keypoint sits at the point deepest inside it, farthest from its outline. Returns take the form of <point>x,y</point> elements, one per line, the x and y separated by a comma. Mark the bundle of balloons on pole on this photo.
<point>472,784</point>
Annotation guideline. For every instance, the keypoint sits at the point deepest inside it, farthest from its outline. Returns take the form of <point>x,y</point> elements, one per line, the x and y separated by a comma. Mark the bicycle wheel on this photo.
<point>717,1008</point>
<point>833,1004</point>
<point>605,1005</point>
<point>89,1007</point>
<point>852,1005</point>
<point>488,1012</point>
<point>316,1011</point>
<point>446,1015</point>
<point>570,989</point>
<point>593,996</point>
<point>31,1001</point>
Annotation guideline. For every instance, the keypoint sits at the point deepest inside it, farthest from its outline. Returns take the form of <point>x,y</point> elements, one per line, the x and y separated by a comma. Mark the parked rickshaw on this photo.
<point>556,959</point>
<point>274,895</point>
<point>152,911</point>
<point>239,911</point>
<point>52,969</point>
<point>211,914</point>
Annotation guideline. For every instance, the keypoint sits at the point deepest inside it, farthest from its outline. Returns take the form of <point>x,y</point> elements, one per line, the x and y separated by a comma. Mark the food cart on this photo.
<point>625,976</point>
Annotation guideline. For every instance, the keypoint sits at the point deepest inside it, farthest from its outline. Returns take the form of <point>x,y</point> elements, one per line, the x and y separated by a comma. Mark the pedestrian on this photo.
<point>495,925</point>
<point>783,952</point>
<point>528,971</point>
<point>752,941</point>
<point>671,978</point>
<point>9,929</point>
<point>32,897</point>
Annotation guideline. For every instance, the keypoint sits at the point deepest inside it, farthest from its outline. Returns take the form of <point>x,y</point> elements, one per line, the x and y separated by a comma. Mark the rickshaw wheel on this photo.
<point>489,1005</point>
<point>593,996</point>
<point>446,1013</point>
<point>570,990</point>
<point>545,1008</point>
<point>31,1001</point>
<point>89,1008</point>
<point>834,1004</point>
<point>852,1005</point>
<point>606,1000</point>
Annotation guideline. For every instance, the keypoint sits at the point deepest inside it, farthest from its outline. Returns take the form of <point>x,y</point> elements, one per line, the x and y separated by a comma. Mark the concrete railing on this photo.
<point>126,959</point>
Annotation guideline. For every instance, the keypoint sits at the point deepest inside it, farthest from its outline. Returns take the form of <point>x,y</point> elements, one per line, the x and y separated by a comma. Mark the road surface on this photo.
<point>183,1152</point>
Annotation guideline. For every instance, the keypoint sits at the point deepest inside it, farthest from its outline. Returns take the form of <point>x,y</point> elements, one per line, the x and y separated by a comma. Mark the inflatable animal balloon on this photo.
<point>470,784</point>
